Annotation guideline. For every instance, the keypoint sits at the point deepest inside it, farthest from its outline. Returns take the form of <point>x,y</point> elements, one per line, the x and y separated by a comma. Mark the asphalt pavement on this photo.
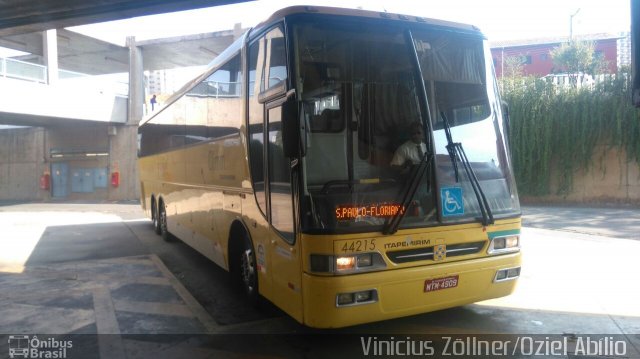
<point>85,268</point>
<point>603,221</point>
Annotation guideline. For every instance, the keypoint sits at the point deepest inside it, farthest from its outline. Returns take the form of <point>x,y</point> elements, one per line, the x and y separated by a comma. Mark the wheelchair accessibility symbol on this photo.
<point>452,204</point>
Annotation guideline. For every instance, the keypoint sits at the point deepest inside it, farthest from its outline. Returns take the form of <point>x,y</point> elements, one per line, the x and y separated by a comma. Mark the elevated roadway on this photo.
<point>44,101</point>
<point>24,16</point>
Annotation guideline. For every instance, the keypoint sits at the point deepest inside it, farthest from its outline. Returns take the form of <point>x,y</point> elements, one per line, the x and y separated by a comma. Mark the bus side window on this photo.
<point>273,80</point>
<point>276,59</point>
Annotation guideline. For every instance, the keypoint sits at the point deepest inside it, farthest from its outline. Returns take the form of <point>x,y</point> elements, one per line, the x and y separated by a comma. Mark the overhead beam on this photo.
<point>20,16</point>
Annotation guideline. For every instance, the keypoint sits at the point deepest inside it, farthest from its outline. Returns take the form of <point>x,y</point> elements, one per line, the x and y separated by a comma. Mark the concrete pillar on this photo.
<point>123,144</point>
<point>237,31</point>
<point>136,82</point>
<point>50,54</point>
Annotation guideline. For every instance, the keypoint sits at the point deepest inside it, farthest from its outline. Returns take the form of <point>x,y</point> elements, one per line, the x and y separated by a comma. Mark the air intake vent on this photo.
<point>426,253</point>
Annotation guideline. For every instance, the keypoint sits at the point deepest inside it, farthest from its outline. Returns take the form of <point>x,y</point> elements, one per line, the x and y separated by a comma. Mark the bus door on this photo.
<point>284,252</point>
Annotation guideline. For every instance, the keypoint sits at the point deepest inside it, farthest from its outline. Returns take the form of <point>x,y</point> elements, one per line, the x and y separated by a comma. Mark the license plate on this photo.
<point>431,285</point>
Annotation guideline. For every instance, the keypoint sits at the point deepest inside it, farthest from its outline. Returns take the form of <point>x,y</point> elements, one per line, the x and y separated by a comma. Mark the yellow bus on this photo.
<point>348,166</point>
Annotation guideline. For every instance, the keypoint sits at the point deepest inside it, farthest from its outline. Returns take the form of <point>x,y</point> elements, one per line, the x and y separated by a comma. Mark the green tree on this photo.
<point>513,71</point>
<point>578,57</point>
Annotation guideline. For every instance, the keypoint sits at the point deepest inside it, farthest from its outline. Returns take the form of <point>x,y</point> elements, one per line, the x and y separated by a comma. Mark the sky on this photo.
<point>498,19</point>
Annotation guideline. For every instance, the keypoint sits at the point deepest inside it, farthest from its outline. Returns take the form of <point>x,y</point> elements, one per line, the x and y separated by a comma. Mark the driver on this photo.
<point>410,152</point>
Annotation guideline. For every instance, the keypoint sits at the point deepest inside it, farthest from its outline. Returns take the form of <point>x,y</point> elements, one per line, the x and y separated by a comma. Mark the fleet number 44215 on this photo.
<point>358,245</point>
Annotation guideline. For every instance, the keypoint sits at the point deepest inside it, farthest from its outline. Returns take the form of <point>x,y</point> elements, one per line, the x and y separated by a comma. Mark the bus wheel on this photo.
<point>154,218</point>
<point>248,271</point>
<point>162,219</point>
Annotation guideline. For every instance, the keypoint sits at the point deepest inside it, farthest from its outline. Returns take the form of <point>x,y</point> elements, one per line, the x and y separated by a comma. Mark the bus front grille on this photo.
<point>426,253</point>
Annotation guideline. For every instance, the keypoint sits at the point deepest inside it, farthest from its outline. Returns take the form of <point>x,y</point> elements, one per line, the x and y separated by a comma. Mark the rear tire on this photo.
<point>162,219</point>
<point>154,218</point>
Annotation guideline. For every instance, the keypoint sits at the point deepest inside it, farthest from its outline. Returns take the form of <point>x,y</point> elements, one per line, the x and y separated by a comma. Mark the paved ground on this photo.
<point>603,221</point>
<point>84,268</point>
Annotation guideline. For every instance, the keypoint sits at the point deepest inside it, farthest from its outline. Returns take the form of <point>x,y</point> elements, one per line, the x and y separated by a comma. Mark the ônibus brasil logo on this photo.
<point>24,346</point>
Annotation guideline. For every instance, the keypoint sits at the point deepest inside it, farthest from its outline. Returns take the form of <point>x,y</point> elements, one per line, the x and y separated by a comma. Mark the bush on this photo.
<point>562,125</point>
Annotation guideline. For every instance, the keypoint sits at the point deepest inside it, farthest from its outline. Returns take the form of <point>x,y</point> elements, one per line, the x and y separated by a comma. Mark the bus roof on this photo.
<point>325,10</point>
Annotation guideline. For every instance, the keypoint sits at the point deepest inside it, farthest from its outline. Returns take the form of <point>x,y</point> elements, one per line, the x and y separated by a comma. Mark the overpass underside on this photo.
<point>67,128</point>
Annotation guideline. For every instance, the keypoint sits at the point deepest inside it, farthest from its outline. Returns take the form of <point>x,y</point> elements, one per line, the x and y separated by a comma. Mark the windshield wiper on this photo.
<point>411,188</point>
<point>456,153</point>
<point>427,158</point>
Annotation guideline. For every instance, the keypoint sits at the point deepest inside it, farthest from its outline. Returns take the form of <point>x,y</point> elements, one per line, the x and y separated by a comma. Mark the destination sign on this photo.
<point>346,212</point>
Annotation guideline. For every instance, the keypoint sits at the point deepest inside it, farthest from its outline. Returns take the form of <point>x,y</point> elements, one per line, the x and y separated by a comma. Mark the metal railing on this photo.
<point>22,70</point>
<point>27,71</point>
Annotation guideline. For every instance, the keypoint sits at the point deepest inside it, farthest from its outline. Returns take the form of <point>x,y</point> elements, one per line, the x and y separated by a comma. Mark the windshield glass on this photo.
<point>363,132</point>
<point>460,87</point>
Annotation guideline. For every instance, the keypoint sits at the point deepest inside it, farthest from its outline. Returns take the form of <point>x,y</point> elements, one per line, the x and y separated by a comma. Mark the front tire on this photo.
<point>248,271</point>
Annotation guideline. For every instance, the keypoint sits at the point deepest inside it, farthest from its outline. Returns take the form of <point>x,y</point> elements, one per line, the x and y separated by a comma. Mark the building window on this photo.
<point>526,59</point>
<point>544,57</point>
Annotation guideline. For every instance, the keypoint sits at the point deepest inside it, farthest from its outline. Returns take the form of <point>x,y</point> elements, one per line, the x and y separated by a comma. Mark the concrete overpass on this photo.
<point>25,16</point>
<point>59,101</point>
<point>83,131</point>
<point>84,54</point>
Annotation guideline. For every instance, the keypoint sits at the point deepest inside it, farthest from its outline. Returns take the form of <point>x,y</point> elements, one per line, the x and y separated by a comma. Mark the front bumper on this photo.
<point>401,291</point>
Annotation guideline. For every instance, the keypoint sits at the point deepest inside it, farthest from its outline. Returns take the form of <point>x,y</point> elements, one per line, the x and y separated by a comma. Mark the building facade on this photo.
<point>536,53</point>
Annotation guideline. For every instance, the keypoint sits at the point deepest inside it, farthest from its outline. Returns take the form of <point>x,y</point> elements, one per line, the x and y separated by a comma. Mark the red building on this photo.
<point>536,53</point>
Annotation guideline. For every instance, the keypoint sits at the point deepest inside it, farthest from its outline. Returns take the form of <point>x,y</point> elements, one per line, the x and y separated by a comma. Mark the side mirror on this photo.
<point>291,126</point>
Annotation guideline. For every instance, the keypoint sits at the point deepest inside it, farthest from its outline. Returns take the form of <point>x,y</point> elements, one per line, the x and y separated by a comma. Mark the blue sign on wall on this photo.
<point>452,204</point>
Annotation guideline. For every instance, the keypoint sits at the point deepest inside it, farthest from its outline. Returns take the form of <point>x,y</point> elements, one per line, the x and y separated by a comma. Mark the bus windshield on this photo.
<point>364,133</point>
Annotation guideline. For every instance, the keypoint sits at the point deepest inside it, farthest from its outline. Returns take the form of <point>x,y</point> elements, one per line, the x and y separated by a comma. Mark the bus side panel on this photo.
<point>165,176</point>
<point>146,186</point>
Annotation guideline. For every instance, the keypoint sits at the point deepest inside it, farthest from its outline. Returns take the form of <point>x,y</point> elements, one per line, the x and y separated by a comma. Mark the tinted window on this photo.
<point>256,125</point>
<point>210,110</point>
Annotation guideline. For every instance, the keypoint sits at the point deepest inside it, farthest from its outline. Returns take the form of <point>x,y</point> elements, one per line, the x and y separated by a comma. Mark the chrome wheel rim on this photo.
<point>248,271</point>
<point>163,221</point>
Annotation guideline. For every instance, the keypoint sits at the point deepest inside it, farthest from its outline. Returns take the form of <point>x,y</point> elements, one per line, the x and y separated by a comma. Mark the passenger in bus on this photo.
<point>411,152</point>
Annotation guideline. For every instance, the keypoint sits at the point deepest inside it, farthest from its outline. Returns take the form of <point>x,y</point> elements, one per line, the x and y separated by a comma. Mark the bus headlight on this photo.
<point>361,262</point>
<point>345,263</point>
<point>505,244</point>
